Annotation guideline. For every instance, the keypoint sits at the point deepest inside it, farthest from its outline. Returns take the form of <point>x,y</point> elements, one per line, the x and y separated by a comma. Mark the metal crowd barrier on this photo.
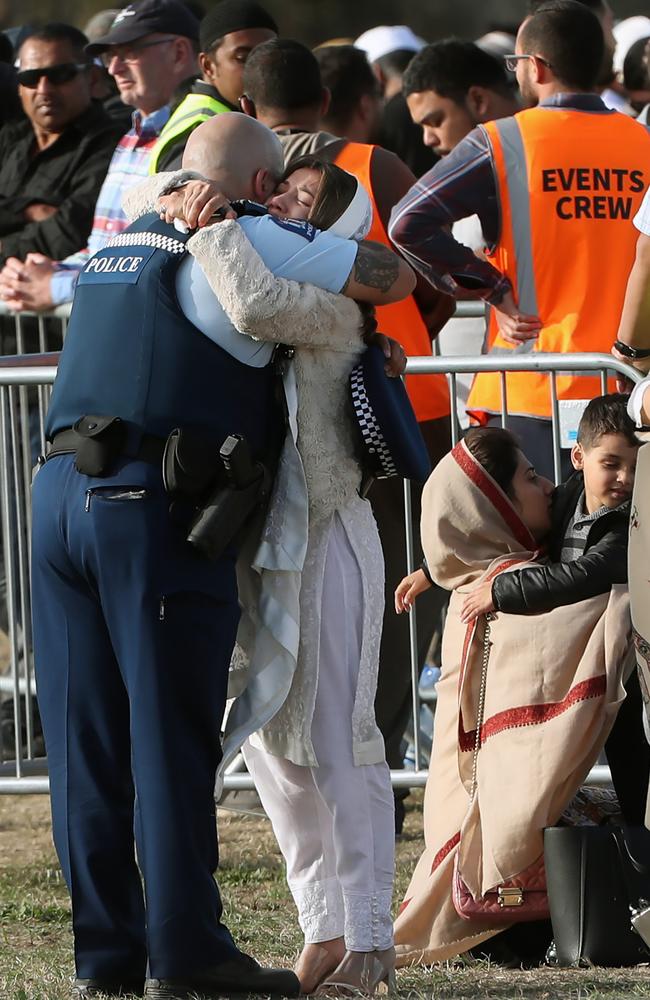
<point>24,393</point>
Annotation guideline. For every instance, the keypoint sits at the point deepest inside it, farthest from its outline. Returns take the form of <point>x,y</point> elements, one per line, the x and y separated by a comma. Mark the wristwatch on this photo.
<point>631,352</point>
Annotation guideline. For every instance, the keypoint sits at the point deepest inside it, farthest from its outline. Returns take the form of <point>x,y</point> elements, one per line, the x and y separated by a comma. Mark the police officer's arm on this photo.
<point>266,306</point>
<point>378,276</point>
<point>391,180</point>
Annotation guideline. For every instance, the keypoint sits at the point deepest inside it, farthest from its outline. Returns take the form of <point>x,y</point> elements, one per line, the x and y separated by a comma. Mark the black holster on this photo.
<point>191,465</point>
<point>221,521</point>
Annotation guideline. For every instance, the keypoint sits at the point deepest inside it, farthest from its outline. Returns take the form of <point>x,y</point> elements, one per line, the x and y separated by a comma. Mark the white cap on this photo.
<point>626,33</point>
<point>379,41</point>
<point>497,43</point>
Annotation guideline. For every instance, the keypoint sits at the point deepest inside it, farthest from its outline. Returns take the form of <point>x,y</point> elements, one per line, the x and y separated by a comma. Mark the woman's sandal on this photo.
<point>315,966</point>
<point>361,974</point>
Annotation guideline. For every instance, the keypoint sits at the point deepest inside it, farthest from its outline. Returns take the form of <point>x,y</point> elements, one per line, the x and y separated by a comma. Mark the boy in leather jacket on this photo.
<point>587,546</point>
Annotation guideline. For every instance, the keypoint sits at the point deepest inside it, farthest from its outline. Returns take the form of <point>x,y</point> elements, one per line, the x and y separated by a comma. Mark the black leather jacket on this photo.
<point>536,589</point>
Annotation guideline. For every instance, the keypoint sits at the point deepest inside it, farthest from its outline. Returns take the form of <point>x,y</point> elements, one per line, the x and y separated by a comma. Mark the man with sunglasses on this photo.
<point>53,162</point>
<point>555,187</point>
<point>149,50</point>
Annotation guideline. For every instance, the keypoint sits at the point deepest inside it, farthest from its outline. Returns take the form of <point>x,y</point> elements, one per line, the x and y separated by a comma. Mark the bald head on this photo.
<point>243,156</point>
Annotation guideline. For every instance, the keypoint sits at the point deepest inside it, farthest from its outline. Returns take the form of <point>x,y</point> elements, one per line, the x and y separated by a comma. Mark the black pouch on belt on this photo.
<point>100,444</point>
<point>191,465</point>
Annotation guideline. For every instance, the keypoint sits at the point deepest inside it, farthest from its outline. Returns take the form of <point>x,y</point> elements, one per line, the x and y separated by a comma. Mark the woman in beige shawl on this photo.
<point>551,694</point>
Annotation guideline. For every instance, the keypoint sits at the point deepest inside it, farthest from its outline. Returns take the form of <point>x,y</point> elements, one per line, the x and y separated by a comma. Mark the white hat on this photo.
<point>626,33</point>
<point>497,43</point>
<point>379,41</point>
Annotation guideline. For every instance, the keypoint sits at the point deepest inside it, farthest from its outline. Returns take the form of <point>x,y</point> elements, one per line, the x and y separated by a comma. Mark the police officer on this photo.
<point>555,187</point>
<point>133,629</point>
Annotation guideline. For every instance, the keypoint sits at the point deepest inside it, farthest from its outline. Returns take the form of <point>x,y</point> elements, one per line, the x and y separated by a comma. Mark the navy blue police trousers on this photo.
<point>133,633</point>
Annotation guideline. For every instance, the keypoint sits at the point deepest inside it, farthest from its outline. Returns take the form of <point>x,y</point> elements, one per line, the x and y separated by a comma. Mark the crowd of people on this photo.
<point>263,218</point>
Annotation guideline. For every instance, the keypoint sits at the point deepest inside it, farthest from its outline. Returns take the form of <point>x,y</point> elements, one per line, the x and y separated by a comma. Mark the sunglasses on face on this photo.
<point>55,75</point>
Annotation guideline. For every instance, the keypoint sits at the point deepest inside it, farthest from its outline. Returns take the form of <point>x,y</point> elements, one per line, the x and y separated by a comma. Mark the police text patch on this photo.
<point>116,265</point>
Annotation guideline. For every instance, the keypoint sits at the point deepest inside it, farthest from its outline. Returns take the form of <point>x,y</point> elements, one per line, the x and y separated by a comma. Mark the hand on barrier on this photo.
<point>626,385</point>
<point>514,326</point>
<point>479,602</point>
<point>197,203</point>
<point>393,352</point>
<point>26,285</point>
<point>410,587</point>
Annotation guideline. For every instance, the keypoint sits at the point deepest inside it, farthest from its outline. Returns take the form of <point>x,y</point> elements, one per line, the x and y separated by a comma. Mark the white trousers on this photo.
<point>334,823</point>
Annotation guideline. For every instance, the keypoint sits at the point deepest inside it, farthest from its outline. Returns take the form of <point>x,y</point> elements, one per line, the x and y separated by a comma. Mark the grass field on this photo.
<point>35,940</point>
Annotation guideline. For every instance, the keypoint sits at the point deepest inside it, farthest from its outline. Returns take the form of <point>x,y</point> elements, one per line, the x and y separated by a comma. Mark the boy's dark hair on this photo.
<point>451,67</point>
<point>57,31</point>
<point>347,73</point>
<point>570,38</point>
<point>606,415</point>
<point>497,450</point>
<point>282,73</point>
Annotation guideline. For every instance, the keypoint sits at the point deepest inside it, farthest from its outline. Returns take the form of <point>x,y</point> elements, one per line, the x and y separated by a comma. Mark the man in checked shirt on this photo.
<point>149,50</point>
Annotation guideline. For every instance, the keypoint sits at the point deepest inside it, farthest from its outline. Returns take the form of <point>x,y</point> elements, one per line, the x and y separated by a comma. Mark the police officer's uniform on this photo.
<point>133,630</point>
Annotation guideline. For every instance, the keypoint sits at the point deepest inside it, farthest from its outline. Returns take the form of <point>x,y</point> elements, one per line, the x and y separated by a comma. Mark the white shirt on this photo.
<point>291,250</point>
<point>642,218</point>
<point>635,402</point>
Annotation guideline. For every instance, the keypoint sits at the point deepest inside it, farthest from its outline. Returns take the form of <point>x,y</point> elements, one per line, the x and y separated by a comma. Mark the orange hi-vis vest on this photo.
<point>569,183</point>
<point>402,321</point>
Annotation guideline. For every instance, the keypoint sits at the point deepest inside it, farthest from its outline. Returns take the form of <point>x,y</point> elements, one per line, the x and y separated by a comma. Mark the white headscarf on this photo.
<point>356,220</point>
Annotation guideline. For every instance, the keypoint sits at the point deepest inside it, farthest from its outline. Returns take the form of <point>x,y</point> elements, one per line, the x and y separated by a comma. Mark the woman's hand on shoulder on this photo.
<point>479,602</point>
<point>197,203</point>
<point>410,587</point>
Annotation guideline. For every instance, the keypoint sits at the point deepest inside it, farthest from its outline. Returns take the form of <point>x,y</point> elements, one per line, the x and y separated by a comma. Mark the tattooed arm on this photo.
<point>378,276</point>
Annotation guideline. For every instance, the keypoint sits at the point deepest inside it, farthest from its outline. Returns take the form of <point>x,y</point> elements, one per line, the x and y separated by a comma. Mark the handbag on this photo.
<point>520,898</point>
<point>597,877</point>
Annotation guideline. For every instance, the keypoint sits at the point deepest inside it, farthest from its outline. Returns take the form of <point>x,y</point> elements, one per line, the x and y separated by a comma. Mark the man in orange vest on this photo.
<point>283,88</point>
<point>555,187</point>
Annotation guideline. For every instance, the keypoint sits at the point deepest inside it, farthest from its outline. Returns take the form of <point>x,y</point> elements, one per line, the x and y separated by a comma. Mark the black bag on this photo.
<point>594,874</point>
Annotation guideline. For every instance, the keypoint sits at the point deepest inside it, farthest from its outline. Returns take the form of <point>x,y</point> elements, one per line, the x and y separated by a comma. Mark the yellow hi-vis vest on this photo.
<point>569,183</point>
<point>190,113</point>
